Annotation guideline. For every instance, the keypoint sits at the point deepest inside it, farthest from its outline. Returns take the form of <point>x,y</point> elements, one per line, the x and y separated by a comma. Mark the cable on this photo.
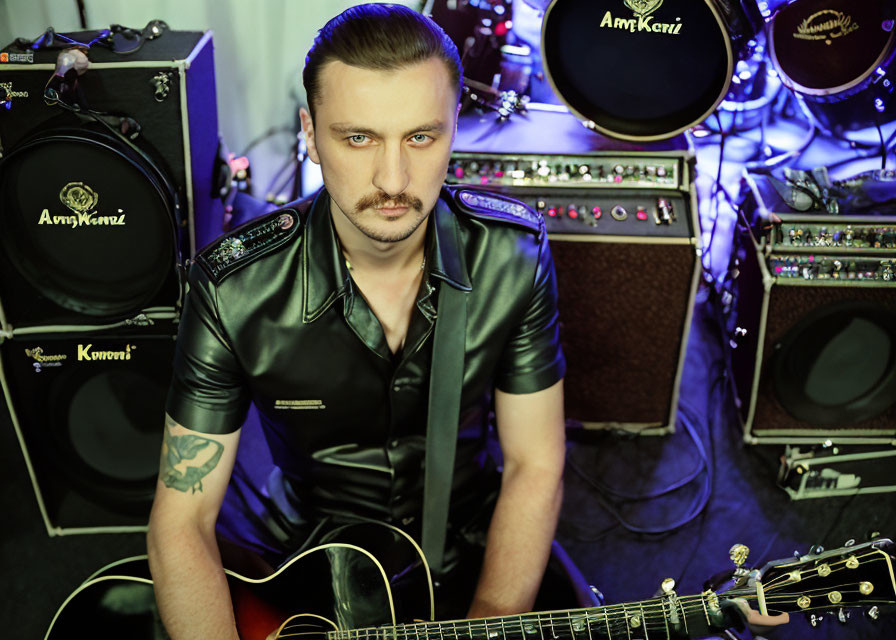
<point>284,128</point>
<point>605,488</point>
<point>697,506</point>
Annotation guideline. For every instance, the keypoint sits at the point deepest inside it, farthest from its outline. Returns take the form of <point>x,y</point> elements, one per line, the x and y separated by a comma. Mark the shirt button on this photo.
<point>394,444</point>
<point>396,387</point>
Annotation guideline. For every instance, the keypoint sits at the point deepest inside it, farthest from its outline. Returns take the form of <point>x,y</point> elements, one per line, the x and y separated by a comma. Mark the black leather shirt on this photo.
<point>273,316</point>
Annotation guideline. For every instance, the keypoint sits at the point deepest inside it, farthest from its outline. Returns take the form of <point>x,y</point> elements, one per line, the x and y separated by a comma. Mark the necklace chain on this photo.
<point>348,264</point>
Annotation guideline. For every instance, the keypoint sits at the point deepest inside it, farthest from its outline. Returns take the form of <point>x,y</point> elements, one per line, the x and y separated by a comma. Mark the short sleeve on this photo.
<point>532,359</point>
<point>207,391</point>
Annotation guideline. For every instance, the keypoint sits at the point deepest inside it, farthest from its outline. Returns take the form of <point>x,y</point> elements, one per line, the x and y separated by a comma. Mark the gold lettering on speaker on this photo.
<point>85,352</point>
<point>38,354</point>
<point>7,86</point>
<point>42,359</point>
<point>826,25</point>
<point>642,21</point>
<point>82,200</point>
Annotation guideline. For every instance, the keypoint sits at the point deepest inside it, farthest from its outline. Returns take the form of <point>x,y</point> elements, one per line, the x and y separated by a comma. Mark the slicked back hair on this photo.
<point>381,37</point>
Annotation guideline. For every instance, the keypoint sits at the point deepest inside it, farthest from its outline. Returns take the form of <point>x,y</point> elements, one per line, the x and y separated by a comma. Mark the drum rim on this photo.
<point>145,165</point>
<point>887,51</point>
<point>590,124</point>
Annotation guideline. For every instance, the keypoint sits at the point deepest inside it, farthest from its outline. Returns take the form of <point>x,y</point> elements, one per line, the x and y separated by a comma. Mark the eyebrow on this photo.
<point>436,126</point>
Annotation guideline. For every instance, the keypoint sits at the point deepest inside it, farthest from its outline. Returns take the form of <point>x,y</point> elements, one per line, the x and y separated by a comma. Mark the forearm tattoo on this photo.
<point>187,459</point>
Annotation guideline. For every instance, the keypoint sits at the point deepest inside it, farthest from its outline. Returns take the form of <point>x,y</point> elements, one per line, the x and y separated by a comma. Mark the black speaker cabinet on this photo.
<point>625,310</point>
<point>814,355</point>
<point>623,231</point>
<point>88,409</point>
<point>95,223</point>
<point>100,208</point>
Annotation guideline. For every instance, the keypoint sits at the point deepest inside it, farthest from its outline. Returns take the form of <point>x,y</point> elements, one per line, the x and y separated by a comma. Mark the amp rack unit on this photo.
<point>813,320</point>
<point>623,231</point>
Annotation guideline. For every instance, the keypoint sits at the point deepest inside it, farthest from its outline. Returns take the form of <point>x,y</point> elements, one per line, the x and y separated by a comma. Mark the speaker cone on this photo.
<point>837,366</point>
<point>87,222</point>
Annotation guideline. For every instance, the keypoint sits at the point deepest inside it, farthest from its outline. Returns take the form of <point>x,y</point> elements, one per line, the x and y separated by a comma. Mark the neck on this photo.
<point>665,618</point>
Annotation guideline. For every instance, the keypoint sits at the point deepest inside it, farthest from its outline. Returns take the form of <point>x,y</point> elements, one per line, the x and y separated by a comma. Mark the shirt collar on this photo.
<point>326,277</point>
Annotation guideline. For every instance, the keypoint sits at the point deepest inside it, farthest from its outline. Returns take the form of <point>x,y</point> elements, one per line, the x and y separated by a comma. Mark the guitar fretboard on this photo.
<point>658,619</point>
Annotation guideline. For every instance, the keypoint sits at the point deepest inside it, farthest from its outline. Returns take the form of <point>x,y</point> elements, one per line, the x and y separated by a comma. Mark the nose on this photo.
<point>391,173</point>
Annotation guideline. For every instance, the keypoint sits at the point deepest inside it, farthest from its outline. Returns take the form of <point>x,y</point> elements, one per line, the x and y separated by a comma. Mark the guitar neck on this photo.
<point>662,618</point>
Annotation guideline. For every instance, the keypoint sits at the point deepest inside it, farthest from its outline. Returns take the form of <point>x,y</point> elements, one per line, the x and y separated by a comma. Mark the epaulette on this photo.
<point>493,206</point>
<point>250,241</point>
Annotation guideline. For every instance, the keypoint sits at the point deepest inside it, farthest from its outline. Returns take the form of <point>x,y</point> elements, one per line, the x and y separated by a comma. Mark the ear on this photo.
<point>308,129</point>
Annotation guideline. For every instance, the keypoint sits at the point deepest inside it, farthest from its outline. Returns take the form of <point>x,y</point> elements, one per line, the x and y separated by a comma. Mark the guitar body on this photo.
<point>336,586</point>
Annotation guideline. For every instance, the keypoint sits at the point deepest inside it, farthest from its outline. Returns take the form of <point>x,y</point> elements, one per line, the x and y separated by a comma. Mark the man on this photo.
<point>324,318</point>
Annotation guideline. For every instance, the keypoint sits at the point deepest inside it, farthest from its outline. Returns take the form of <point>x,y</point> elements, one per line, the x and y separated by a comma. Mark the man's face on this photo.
<point>383,141</point>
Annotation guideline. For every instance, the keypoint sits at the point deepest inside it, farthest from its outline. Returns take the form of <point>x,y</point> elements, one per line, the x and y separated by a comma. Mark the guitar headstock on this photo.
<point>858,575</point>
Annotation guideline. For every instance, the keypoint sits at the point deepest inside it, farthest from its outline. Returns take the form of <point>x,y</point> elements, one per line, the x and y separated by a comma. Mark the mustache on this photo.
<point>381,199</point>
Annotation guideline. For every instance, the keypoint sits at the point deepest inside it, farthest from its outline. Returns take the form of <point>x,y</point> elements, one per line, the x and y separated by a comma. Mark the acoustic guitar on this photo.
<point>343,591</point>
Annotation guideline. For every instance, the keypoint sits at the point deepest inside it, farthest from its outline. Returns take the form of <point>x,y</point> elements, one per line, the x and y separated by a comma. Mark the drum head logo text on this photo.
<point>643,20</point>
<point>825,25</point>
<point>643,7</point>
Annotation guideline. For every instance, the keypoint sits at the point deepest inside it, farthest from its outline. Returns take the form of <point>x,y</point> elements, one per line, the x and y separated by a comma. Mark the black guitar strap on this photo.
<point>445,383</point>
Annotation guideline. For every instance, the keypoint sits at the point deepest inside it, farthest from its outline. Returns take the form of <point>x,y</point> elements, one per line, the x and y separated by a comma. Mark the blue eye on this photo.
<point>358,138</point>
<point>420,138</point>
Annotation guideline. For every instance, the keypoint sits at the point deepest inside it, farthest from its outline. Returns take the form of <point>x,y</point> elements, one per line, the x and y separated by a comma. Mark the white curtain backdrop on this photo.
<point>260,48</point>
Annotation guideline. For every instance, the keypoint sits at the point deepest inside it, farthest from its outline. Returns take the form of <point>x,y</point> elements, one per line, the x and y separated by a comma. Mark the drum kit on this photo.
<point>646,70</point>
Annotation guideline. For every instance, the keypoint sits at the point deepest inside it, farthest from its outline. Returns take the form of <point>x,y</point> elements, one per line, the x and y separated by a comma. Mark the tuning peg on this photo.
<point>816,549</point>
<point>815,619</point>
<point>739,554</point>
<point>668,587</point>
<point>873,613</point>
<point>842,615</point>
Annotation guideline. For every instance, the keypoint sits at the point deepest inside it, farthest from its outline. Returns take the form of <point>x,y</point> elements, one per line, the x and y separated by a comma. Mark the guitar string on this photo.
<point>654,611</point>
<point>548,620</point>
<point>428,630</point>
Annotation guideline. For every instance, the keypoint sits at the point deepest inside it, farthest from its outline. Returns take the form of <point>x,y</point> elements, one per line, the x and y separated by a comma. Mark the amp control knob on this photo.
<point>619,212</point>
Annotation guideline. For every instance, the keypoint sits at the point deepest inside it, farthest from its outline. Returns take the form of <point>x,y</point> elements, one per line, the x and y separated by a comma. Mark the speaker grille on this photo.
<point>788,307</point>
<point>622,309</point>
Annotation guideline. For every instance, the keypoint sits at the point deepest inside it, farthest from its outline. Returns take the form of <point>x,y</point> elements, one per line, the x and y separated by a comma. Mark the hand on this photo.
<point>757,622</point>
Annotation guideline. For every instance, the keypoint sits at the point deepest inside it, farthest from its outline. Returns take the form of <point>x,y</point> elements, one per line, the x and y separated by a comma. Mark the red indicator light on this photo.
<point>596,212</point>
<point>572,213</point>
<point>459,172</point>
<point>552,212</point>
<point>641,215</point>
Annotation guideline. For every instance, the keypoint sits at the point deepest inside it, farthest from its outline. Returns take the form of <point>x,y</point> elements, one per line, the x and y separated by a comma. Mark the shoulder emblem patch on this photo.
<point>252,240</point>
<point>500,208</point>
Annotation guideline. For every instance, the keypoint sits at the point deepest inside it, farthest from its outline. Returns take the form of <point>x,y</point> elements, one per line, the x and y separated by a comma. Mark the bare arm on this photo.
<point>190,585</point>
<point>531,431</point>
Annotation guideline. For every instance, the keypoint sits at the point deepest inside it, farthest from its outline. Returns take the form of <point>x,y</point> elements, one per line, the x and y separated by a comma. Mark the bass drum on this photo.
<point>837,55</point>
<point>643,70</point>
<point>89,229</point>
